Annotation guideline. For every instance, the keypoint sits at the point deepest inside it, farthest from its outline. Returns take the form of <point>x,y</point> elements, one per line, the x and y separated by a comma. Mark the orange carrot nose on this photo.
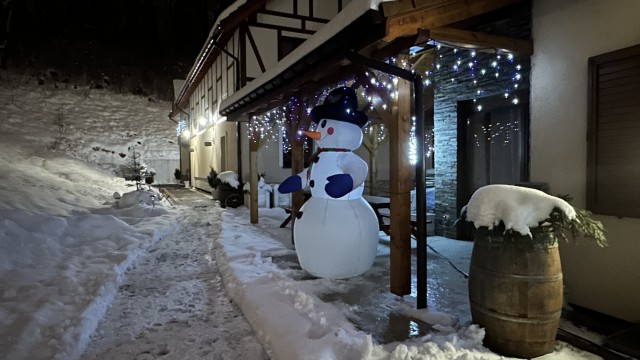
<point>315,135</point>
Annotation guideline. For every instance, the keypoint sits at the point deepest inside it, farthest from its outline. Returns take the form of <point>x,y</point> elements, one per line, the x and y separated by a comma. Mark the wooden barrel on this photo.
<point>515,291</point>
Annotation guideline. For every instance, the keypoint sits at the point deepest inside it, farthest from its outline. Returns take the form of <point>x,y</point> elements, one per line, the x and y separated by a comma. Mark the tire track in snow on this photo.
<point>172,303</point>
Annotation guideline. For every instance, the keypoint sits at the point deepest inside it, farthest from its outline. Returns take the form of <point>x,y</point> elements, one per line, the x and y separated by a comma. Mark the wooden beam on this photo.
<point>391,8</point>
<point>399,46</point>
<point>408,23</point>
<point>476,40</point>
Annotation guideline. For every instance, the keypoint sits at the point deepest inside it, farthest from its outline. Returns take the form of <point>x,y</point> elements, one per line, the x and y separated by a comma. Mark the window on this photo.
<point>493,142</point>
<point>613,159</point>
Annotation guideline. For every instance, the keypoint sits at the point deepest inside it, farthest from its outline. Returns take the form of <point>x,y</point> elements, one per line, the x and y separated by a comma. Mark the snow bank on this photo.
<point>294,323</point>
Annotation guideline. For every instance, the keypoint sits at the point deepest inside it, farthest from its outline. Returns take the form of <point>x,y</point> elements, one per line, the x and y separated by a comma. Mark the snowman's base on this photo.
<point>336,239</point>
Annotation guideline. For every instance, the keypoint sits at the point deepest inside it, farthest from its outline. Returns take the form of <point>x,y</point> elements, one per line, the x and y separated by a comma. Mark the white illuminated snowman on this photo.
<point>336,233</point>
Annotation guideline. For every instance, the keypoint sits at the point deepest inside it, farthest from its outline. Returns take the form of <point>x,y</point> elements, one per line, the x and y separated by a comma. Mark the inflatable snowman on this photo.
<point>336,233</point>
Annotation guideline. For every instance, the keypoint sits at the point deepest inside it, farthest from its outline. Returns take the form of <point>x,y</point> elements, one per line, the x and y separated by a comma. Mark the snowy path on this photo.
<point>172,303</point>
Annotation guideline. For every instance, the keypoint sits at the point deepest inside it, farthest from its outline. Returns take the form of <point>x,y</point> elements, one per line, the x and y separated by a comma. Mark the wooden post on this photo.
<point>372,139</point>
<point>254,146</point>
<point>373,171</point>
<point>296,120</point>
<point>297,164</point>
<point>400,190</point>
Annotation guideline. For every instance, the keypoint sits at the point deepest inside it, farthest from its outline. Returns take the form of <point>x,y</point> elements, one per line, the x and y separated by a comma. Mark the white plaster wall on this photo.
<point>565,35</point>
<point>267,44</point>
<point>267,160</point>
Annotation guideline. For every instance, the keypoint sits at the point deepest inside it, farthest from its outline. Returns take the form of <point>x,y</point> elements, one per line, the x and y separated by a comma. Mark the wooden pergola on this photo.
<point>367,40</point>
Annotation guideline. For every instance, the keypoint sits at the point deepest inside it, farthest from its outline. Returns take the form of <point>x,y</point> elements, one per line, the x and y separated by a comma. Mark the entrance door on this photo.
<point>493,145</point>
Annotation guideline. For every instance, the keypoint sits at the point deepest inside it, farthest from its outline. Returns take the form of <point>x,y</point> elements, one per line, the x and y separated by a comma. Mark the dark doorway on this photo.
<point>493,145</point>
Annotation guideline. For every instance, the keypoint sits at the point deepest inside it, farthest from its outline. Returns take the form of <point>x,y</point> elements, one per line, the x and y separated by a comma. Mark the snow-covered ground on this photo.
<point>65,247</point>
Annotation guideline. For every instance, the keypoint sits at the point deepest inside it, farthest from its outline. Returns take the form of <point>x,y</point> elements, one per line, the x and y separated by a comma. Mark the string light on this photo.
<point>182,126</point>
<point>379,89</point>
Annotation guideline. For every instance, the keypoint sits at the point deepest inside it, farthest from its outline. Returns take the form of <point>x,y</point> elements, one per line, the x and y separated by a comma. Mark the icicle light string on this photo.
<point>467,65</point>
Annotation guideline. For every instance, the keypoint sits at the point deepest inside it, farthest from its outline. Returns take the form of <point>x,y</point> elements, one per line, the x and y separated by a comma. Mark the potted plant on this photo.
<point>149,176</point>
<point>178,175</point>
<point>515,275</point>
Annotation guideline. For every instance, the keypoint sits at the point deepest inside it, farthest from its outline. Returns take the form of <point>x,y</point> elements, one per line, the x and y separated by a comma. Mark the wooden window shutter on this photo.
<point>613,161</point>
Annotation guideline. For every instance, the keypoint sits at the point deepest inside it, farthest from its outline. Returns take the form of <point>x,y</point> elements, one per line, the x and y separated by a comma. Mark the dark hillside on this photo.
<point>135,46</point>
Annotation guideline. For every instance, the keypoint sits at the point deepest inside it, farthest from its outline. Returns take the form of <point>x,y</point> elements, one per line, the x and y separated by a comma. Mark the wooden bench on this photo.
<point>382,207</point>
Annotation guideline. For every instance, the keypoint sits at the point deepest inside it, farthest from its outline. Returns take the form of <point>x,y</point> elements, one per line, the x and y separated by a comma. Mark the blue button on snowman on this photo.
<point>336,234</point>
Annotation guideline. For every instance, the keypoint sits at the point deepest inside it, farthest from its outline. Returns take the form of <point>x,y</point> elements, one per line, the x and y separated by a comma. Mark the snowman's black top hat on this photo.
<point>341,104</point>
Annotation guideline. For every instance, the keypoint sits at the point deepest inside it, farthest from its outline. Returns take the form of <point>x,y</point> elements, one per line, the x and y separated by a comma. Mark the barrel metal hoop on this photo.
<point>551,317</point>
<point>534,278</point>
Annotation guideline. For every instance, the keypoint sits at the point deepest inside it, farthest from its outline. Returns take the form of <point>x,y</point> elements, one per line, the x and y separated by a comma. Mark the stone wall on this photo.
<point>455,84</point>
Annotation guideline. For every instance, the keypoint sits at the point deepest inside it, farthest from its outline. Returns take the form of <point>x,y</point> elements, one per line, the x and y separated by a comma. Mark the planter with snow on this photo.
<point>515,275</point>
<point>229,189</point>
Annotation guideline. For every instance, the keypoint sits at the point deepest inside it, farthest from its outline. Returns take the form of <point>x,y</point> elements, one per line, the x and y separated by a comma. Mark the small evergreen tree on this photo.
<point>135,169</point>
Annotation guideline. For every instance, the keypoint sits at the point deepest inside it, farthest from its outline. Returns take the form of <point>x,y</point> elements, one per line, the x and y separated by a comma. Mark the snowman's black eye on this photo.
<point>323,123</point>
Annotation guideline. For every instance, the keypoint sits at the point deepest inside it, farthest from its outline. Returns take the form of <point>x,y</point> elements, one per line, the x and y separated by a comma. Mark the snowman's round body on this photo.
<point>336,237</point>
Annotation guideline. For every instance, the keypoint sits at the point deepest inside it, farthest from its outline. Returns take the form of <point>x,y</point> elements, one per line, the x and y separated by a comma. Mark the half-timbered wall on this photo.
<point>259,44</point>
<point>277,27</point>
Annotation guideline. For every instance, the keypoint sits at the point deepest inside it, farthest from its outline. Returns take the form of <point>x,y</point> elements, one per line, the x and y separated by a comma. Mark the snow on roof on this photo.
<point>518,207</point>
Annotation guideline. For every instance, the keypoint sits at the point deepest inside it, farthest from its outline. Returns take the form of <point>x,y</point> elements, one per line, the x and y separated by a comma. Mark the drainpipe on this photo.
<point>421,208</point>
<point>180,110</point>
<point>238,124</point>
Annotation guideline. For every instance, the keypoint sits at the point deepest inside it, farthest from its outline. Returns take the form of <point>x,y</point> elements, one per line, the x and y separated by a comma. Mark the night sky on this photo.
<point>139,44</point>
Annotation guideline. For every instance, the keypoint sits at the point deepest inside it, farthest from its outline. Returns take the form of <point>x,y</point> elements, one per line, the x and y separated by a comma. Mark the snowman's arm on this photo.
<point>294,183</point>
<point>354,172</point>
<point>354,166</point>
